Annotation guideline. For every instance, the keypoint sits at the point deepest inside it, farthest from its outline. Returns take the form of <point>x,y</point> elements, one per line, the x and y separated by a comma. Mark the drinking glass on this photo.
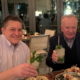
<point>61,54</point>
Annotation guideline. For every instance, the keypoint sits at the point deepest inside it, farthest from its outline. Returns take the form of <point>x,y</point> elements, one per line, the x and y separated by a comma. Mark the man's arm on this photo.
<point>22,71</point>
<point>49,60</point>
<point>8,75</point>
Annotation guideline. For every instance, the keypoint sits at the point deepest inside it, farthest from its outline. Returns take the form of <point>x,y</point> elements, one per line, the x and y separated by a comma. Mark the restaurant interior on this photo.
<point>35,35</point>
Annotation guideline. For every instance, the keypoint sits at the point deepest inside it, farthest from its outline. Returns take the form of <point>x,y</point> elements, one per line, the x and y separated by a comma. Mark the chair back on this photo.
<point>50,27</point>
<point>50,32</point>
<point>39,42</point>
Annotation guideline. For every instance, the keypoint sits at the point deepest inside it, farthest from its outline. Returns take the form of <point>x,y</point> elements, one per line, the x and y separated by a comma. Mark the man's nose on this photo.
<point>70,29</point>
<point>16,32</point>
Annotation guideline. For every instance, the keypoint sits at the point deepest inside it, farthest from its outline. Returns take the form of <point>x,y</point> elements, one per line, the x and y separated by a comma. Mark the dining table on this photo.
<point>51,75</point>
<point>26,39</point>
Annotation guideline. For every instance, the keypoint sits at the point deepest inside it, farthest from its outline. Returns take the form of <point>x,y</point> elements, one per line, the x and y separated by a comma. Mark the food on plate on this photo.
<point>72,73</point>
<point>78,73</point>
<point>38,78</point>
<point>68,70</point>
<point>41,78</point>
<point>31,78</point>
<point>73,69</point>
<point>67,76</point>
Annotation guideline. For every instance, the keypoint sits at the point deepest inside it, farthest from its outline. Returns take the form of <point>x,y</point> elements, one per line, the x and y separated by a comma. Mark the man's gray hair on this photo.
<point>68,16</point>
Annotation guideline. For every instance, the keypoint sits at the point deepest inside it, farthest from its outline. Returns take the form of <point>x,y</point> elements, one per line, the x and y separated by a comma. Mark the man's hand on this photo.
<point>54,56</point>
<point>25,70</point>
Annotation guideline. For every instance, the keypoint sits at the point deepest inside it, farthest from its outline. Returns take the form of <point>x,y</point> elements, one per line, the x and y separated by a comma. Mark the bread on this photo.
<point>68,70</point>
<point>41,78</point>
<point>72,69</point>
<point>31,78</point>
<point>38,78</point>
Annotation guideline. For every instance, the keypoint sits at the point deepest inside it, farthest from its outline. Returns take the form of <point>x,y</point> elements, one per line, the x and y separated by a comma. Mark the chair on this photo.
<point>50,32</point>
<point>42,28</point>
<point>40,43</point>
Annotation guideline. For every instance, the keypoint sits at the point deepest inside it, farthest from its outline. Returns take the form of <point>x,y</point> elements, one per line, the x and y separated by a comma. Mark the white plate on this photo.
<point>58,76</point>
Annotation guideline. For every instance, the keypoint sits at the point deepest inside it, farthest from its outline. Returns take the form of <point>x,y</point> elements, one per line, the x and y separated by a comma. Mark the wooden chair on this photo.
<point>50,32</point>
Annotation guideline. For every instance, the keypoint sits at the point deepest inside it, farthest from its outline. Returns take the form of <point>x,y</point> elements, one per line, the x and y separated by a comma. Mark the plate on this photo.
<point>73,75</point>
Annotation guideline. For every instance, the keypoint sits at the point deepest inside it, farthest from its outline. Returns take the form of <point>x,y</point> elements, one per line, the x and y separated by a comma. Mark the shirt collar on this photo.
<point>68,41</point>
<point>70,44</point>
<point>8,43</point>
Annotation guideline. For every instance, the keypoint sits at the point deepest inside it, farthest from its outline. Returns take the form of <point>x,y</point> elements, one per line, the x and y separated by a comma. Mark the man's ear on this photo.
<point>2,29</point>
<point>61,28</point>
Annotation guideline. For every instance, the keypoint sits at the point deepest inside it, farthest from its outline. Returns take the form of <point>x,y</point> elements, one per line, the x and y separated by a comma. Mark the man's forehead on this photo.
<point>69,19</point>
<point>69,23</point>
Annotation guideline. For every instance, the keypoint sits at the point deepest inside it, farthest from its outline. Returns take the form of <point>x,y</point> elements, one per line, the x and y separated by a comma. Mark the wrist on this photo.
<point>14,73</point>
